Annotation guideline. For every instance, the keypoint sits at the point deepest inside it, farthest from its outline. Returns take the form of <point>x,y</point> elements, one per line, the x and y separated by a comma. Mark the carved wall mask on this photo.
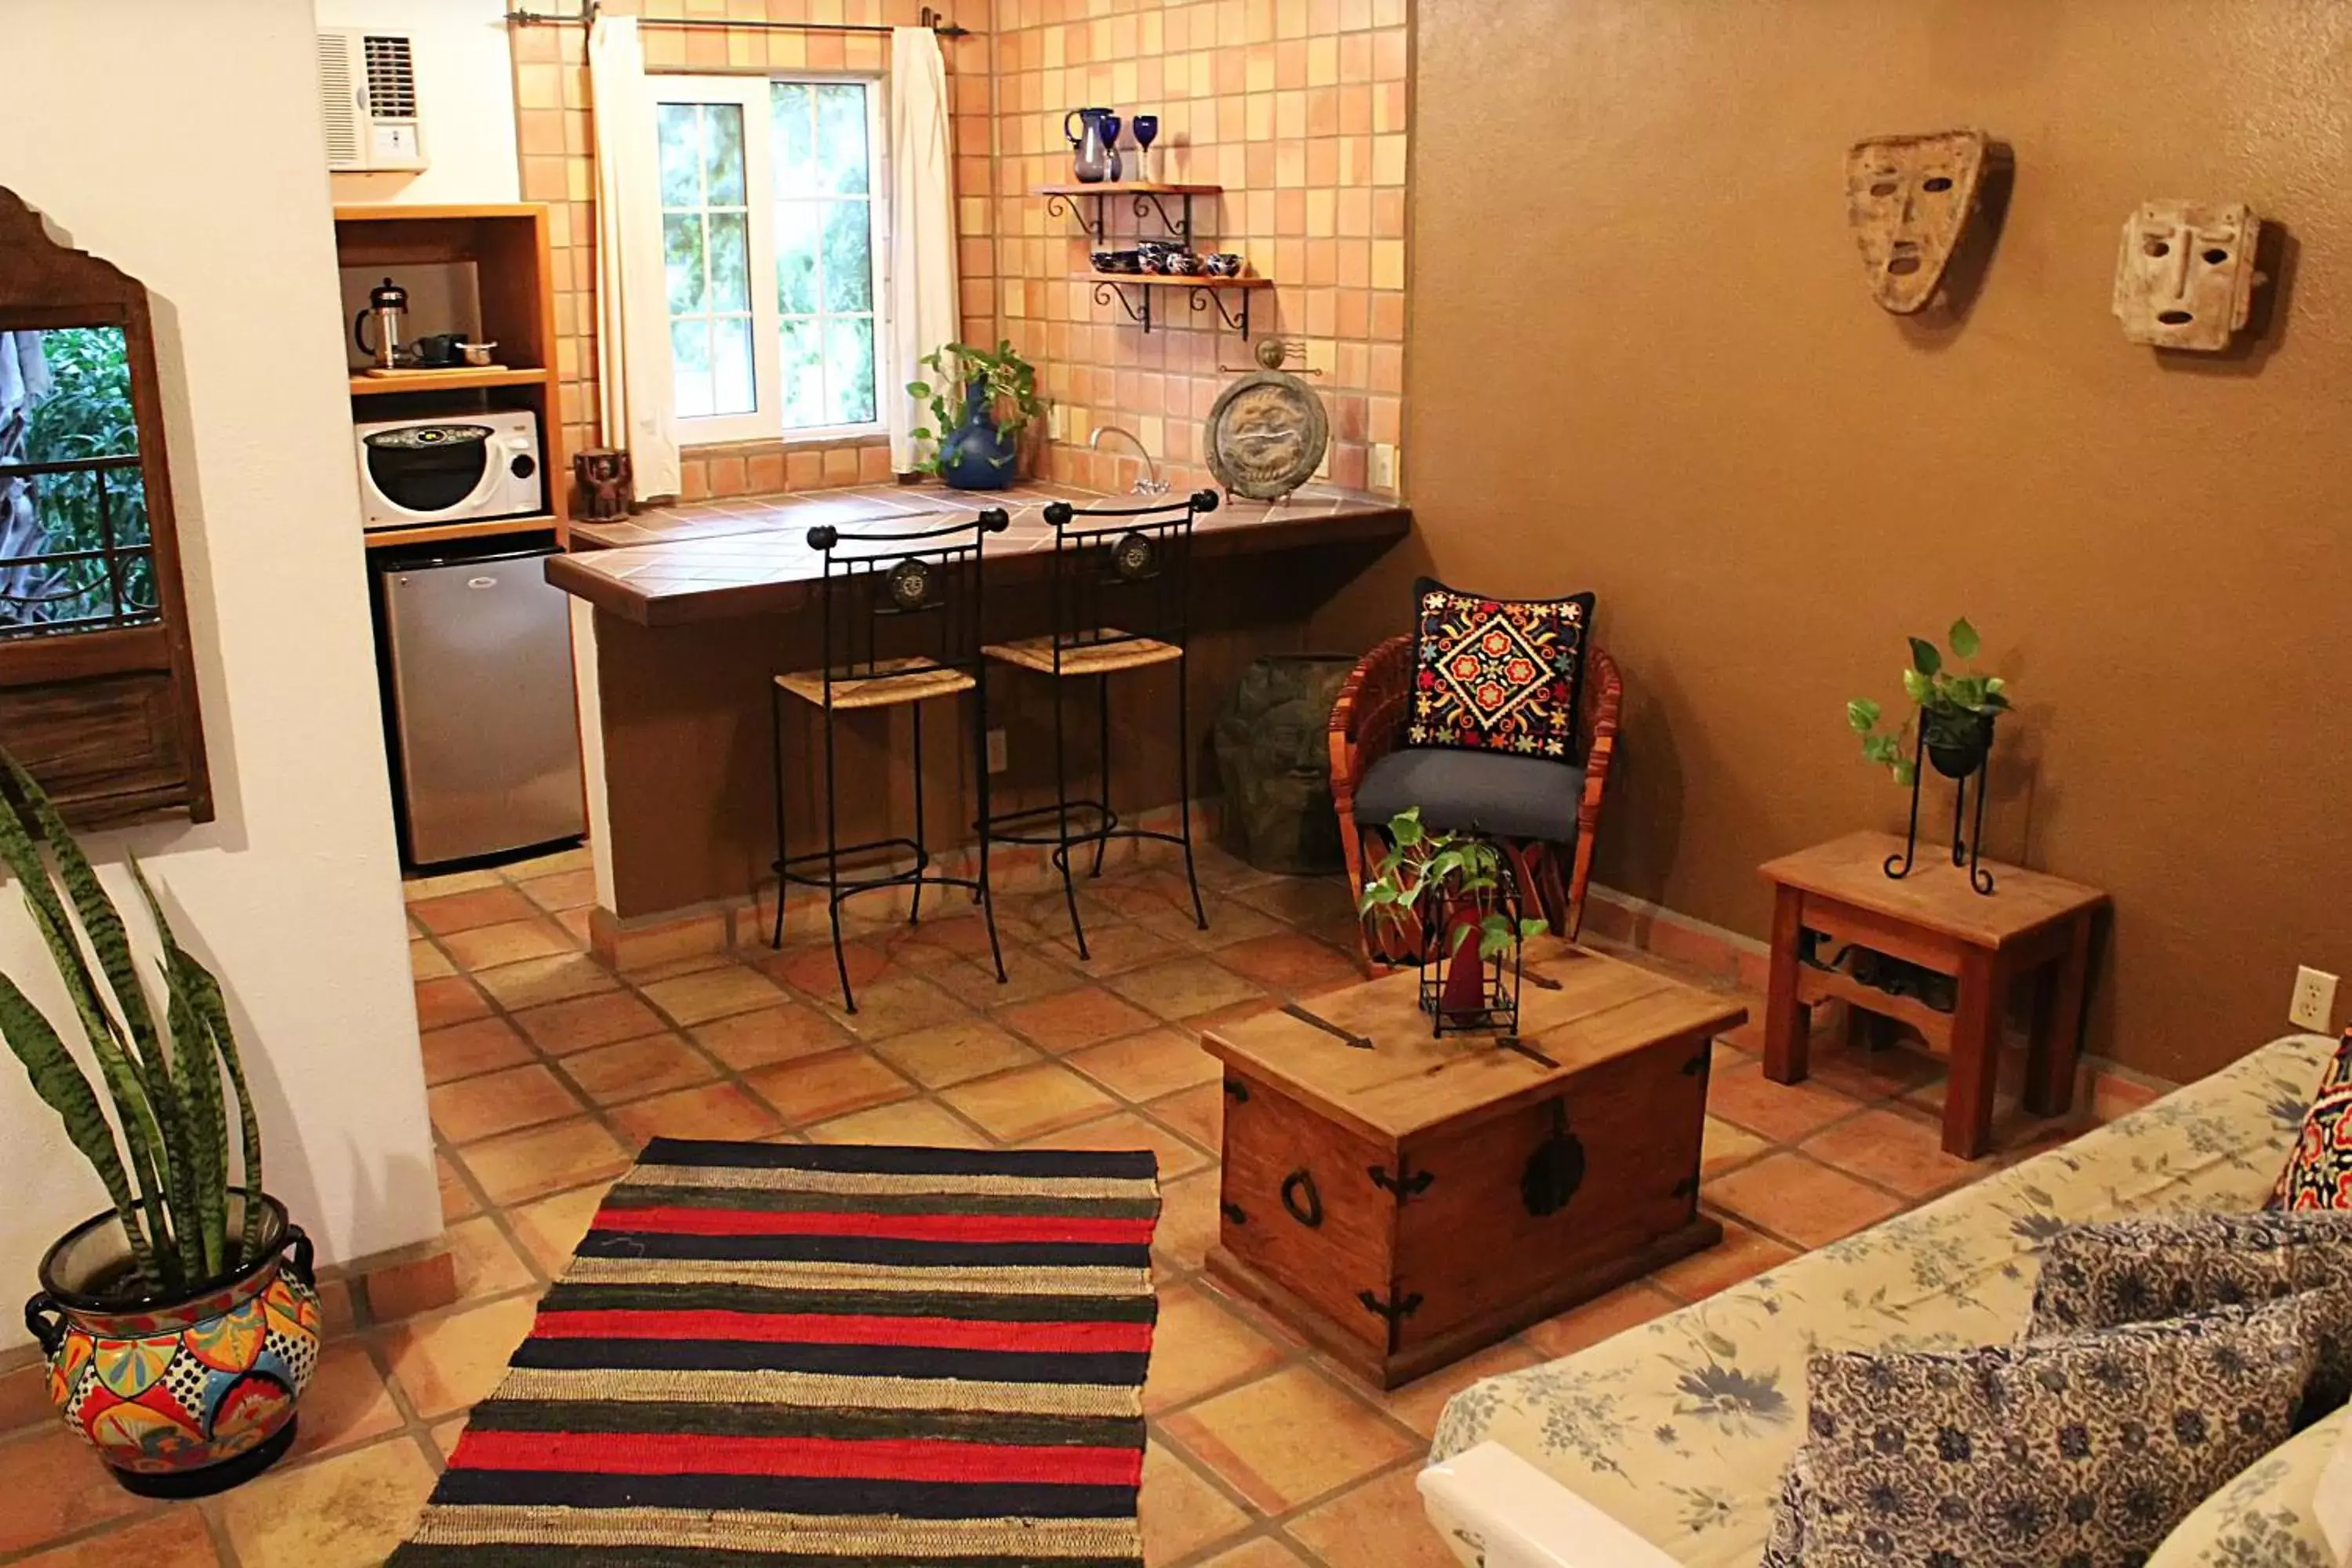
<point>1909,199</point>
<point>2186,277</point>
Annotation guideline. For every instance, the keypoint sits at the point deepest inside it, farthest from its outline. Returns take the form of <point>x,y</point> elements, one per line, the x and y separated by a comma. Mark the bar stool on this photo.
<point>899,619</point>
<point>1120,601</point>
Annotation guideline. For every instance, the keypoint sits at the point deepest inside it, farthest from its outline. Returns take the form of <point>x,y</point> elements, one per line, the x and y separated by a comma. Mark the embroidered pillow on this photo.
<point>1497,675</point>
<point>2073,1453</point>
<point>2166,1266</point>
<point>2319,1174</point>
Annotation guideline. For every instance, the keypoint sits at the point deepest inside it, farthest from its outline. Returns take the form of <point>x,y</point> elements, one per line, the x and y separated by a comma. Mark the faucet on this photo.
<point>1152,484</point>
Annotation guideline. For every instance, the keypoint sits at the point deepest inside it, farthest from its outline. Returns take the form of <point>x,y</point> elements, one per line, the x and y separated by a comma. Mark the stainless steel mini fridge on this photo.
<point>478,659</point>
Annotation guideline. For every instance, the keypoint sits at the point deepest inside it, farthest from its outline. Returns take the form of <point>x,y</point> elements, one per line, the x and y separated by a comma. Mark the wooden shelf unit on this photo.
<point>1151,196</point>
<point>1132,188</point>
<point>506,242</point>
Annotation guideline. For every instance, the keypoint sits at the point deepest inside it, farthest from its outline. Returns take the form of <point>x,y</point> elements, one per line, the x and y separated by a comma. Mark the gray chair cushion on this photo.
<point>1511,797</point>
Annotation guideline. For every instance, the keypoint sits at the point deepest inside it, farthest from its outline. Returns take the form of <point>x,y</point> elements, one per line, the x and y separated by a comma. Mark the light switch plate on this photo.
<point>1382,469</point>
<point>997,761</point>
<point>2313,1006</point>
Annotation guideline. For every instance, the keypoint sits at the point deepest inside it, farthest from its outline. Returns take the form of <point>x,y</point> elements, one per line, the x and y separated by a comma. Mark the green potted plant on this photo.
<point>178,1333</point>
<point>974,447</point>
<point>1428,894</point>
<point>1956,712</point>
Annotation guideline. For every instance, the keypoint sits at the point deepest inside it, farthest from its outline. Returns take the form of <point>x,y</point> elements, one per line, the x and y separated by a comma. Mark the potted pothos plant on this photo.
<point>1448,899</point>
<point>1955,716</point>
<point>980,399</point>
<point>179,1333</point>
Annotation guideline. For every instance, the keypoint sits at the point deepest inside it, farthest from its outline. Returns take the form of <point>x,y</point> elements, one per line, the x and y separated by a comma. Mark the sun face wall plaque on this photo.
<point>1908,200</point>
<point>2185,278</point>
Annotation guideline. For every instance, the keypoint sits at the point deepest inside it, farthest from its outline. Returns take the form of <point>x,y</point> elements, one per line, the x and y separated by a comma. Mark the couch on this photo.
<point>1666,1444</point>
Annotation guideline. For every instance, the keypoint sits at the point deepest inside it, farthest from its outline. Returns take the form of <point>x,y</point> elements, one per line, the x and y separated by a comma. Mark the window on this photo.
<point>773,220</point>
<point>75,552</point>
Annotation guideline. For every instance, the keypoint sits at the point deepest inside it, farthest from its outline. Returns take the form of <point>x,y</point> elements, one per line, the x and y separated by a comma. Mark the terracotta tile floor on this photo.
<point>547,1069</point>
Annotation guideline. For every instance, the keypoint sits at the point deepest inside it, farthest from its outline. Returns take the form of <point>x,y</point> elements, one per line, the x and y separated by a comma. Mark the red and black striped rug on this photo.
<point>820,1356</point>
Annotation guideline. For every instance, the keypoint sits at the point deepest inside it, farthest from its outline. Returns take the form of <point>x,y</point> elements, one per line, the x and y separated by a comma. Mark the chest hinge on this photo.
<point>1405,1185</point>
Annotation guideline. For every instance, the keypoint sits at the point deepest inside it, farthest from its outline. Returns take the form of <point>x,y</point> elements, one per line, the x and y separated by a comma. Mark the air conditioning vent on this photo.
<point>339,103</point>
<point>367,98</point>
<point>391,78</point>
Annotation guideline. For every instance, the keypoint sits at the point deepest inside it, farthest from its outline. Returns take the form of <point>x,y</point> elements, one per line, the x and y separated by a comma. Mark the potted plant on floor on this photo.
<point>1431,894</point>
<point>179,1333</point>
<point>975,445</point>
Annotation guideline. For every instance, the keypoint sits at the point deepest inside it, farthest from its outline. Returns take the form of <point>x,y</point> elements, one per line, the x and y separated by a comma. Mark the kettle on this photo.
<point>387,303</point>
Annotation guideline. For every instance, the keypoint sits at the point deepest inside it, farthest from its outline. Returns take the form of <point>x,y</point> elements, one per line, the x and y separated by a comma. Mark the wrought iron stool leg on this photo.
<point>922,852</point>
<point>776,757</point>
<point>832,863</point>
<point>983,895</point>
<point>1062,821</point>
<point>1102,726</point>
<point>1184,790</point>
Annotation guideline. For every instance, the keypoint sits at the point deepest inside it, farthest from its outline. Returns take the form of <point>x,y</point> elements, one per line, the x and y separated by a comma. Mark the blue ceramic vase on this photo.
<point>977,456</point>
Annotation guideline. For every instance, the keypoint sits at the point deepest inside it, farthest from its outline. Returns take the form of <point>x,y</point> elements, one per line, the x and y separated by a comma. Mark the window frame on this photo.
<point>750,92</point>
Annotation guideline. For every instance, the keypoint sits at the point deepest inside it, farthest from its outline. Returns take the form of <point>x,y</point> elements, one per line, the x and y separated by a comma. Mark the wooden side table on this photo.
<point>1840,892</point>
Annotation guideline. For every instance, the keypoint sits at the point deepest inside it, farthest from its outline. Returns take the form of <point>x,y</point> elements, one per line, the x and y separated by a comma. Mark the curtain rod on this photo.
<point>930,19</point>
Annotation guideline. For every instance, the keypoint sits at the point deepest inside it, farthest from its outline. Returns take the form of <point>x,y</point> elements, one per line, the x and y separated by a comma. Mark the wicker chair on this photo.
<point>1368,723</point>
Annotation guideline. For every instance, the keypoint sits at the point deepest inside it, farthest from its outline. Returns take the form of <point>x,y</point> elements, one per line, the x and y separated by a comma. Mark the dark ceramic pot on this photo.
<point>1956,748</point>
<point>189,1394</point>
<point>977,456</point>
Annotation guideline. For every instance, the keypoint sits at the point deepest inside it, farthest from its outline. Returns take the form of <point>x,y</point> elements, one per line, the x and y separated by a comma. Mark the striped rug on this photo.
<point>822,1356</point>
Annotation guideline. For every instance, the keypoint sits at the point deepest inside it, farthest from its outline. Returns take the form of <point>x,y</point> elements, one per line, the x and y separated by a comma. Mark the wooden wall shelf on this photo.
<point>1206,294</point>
<point>429,380</point>
<point>1148,196</point>
<point>441,533</point>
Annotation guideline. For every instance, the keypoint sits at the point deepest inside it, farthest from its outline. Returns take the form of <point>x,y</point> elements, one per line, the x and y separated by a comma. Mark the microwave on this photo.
<point>416,471</point>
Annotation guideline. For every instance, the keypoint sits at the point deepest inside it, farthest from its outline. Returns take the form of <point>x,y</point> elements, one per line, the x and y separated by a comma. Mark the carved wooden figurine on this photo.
<point>604,482</point>
<point>2186,277</point>
<point>1909,199</point>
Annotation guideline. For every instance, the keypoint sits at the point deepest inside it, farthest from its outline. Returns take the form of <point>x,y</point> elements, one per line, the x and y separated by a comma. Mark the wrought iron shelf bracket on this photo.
<point>1149,203</point>
<point>1206,298</point>
<point>1058,206</point>
<point>1137,310</point>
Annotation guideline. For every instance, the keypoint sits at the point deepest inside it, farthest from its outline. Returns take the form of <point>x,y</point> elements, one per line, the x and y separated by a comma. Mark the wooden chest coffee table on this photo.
<point>1407,1199</point>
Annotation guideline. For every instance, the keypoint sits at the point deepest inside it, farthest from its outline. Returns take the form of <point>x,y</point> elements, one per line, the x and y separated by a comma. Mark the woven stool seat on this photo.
<point>1087,655</point>
<point>884,684</point>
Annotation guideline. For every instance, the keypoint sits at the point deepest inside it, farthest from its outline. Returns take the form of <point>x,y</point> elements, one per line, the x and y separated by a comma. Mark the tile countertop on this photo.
<point>749,555</point>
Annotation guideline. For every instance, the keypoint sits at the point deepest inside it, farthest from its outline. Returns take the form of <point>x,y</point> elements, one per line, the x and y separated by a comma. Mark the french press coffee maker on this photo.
<point>387,303</point>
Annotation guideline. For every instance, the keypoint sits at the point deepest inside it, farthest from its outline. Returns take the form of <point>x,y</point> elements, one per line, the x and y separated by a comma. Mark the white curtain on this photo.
<point>923,307</point>
<point>633,372</point>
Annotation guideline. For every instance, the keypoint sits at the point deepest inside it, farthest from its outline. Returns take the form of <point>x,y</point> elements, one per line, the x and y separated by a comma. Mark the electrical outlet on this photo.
<point>2315,1000</point>
<point>1057,425</point>
<point>996,757</point>
<point>1381,471</point>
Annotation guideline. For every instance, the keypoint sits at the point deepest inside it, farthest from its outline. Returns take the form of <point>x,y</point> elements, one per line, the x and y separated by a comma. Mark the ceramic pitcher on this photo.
<point>1096,157</point>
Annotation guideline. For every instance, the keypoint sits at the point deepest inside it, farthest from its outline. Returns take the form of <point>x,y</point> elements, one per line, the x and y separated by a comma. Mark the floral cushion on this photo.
<point>2138,1270</point>
<point>1497,675</point>
<point>2319,1174</point>
<point>2077,1452</point>
<point>1680,1429</point>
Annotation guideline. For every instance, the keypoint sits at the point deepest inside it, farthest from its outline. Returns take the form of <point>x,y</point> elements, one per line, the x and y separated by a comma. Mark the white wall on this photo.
<point>465,95</point>
<point>293,894</point>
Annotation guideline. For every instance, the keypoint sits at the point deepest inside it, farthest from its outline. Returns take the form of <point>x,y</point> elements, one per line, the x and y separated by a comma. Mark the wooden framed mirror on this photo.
<point>98,689</point>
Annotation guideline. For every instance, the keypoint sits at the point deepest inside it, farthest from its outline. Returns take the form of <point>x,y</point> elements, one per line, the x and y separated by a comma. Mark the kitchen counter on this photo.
<point>683,616</point>
<point>750,556</point>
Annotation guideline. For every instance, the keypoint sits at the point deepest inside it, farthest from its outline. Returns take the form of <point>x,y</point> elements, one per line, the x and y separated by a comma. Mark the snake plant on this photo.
<point>164,1159</point>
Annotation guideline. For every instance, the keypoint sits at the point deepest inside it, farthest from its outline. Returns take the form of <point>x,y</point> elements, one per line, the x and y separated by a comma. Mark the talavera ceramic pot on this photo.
<point>184,1396</point>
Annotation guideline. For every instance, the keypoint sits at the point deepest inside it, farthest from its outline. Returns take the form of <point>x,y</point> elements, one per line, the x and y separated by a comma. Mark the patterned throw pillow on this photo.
<point>2319,1174</point>
<point>2138,1270</point>
<point>2077,1453</point>
<point>1497,675</point>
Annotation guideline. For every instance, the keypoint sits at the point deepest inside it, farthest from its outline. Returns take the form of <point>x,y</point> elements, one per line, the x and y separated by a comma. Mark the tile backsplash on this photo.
<point>1299,107</point>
